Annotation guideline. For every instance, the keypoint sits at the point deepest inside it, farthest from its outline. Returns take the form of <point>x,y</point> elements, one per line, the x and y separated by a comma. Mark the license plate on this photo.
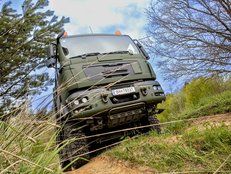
<point>123,91</point>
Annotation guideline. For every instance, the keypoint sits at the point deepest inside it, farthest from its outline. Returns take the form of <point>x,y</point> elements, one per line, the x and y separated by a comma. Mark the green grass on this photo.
<point>203,150</point>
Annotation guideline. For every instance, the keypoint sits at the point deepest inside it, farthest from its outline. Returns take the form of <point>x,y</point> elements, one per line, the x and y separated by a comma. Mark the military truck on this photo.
<point>103,84</point>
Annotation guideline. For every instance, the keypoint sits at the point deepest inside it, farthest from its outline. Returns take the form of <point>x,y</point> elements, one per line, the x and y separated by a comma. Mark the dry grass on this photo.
<point>27,145</point>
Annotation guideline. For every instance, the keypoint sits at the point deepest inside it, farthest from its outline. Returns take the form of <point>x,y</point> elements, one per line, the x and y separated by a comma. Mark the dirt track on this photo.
<point>109,165</point>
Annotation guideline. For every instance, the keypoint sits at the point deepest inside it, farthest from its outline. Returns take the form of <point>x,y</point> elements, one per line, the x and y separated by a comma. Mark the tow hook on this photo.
<point>144,91</point>
<point>104,97</point>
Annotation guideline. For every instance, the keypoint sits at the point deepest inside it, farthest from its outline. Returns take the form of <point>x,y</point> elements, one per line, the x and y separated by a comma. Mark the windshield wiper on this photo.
<point>86,55</point>
<point>117,52</point>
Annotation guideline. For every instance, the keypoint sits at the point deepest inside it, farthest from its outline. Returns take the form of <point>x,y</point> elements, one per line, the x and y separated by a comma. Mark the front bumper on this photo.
<point>102,102</point>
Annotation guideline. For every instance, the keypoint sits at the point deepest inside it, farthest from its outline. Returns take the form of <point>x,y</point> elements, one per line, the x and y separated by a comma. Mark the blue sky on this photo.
<point>102,16</point>
<point>106,16</point>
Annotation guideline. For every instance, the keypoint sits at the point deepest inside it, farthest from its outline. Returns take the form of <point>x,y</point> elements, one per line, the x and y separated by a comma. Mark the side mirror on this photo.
<point>142,49</point>
<point>51,62</point>
<point>51,56</point>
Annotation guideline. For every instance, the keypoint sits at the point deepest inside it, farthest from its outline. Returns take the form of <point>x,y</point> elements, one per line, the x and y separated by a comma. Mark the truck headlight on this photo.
<point>76,102</point>
<point>157,87</point>
<point>84,99</point>
<point>80,101</point>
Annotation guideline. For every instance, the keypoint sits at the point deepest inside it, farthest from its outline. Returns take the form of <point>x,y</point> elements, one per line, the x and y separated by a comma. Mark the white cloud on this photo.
<point>102,15</point>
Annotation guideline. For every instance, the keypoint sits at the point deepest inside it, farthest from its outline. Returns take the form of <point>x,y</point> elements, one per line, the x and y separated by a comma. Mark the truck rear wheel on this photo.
<point>74,152</point>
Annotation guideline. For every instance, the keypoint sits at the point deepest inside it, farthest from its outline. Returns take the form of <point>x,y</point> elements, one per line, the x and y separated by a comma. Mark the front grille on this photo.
<point>108,70</point>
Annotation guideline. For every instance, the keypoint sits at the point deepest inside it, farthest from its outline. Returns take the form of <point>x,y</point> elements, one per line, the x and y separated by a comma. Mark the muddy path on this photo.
<point>110,165</point>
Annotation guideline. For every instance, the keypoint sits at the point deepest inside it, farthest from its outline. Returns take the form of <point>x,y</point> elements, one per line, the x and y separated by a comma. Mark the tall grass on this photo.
<point>28,145</point>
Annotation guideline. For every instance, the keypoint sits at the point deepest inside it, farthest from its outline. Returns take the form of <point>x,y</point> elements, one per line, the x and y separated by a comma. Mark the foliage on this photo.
<point>202,96</point>
<point>217,104</point>
<point>202,87</point>
<point>190,38</point>
<point>23,38</point>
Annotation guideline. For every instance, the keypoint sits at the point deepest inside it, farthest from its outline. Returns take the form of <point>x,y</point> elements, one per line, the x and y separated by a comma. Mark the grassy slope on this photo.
<point>193,150</point>
<point>182,149</point>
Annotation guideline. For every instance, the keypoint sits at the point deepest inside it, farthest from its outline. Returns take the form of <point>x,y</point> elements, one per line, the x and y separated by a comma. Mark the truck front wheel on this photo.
<point>73,153</point>
<point>149,120</point>
<point>152,119</point>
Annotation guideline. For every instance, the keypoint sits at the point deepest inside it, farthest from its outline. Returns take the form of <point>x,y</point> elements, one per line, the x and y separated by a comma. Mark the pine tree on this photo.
<point>23,41</point>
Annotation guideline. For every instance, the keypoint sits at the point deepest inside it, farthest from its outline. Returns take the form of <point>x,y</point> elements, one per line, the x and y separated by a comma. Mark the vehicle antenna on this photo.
<point>90,29</point>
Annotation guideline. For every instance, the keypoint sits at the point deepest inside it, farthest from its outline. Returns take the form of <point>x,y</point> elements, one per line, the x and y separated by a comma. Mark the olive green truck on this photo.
<point>103,85</point>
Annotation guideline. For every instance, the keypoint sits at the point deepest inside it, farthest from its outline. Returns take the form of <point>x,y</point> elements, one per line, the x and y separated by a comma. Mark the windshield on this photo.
<point>79,45</point>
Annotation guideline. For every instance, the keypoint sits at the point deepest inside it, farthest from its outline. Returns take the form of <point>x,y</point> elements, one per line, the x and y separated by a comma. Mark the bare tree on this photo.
<point>190,38</point>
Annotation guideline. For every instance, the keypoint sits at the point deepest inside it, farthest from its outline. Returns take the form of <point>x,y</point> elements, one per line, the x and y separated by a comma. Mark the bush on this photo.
<point>202,96</point>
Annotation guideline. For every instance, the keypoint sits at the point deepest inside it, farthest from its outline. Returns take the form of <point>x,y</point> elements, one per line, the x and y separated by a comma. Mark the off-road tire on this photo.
<point>149,120</point>
<point>152,119</point>
<point>75,150</point>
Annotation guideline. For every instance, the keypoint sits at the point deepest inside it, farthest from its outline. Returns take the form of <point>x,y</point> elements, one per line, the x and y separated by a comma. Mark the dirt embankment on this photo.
<point>109,165</point>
